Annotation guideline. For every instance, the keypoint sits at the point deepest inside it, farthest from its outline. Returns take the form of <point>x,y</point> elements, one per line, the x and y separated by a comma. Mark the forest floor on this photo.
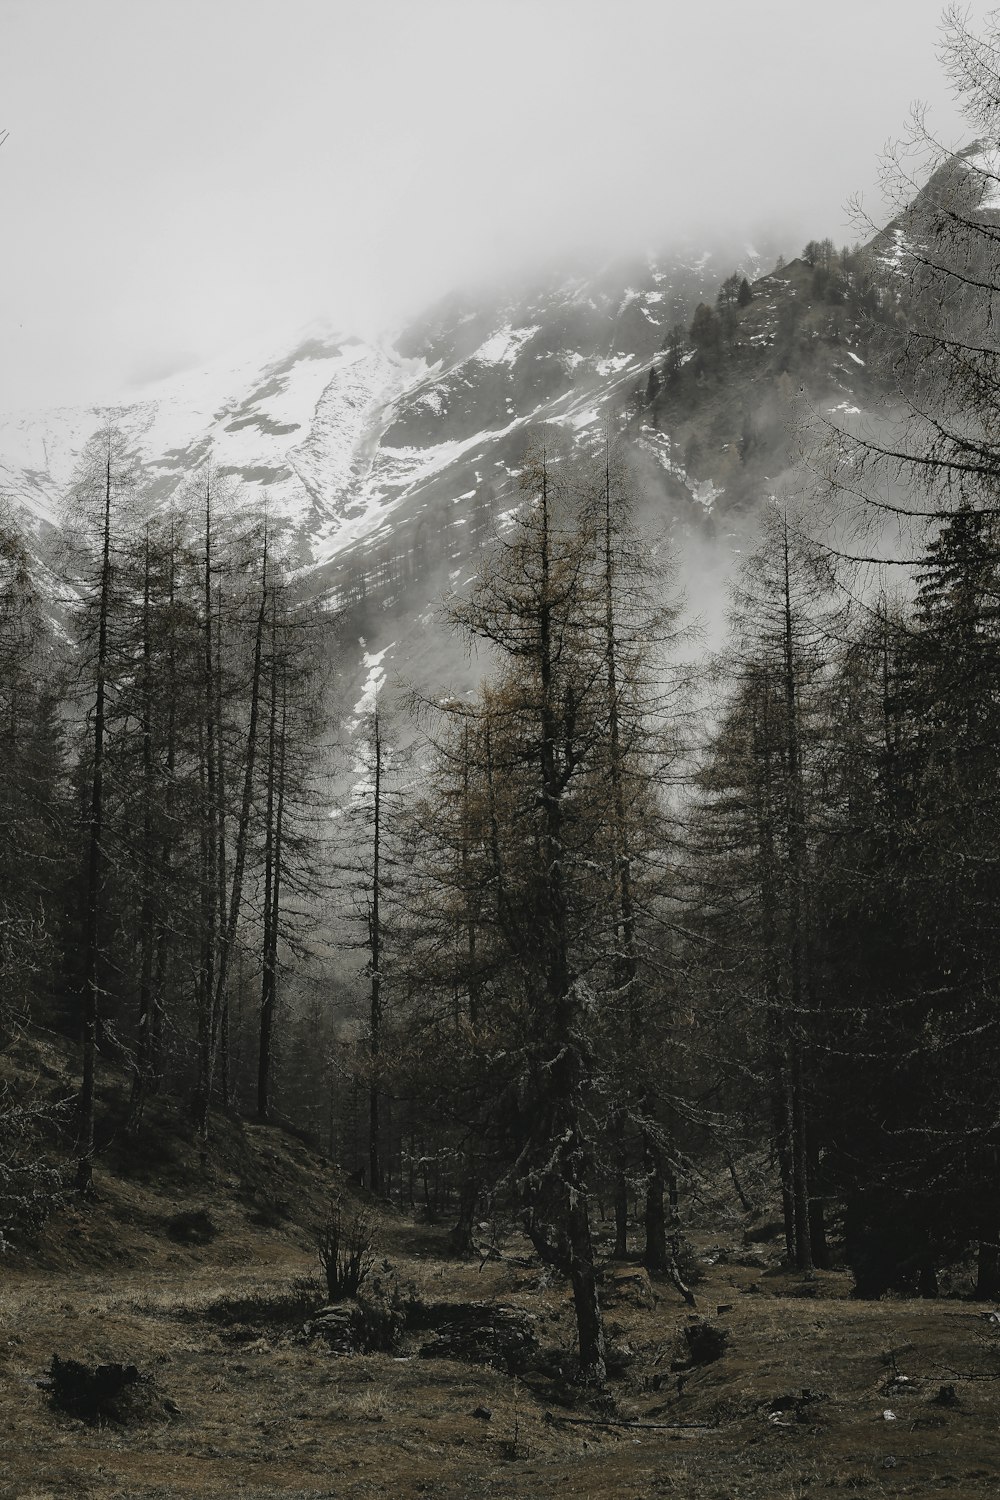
<point>812,1392</point>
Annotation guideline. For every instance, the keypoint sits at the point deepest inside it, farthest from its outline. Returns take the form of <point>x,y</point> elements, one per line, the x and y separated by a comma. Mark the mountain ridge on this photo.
<point>385,464</point>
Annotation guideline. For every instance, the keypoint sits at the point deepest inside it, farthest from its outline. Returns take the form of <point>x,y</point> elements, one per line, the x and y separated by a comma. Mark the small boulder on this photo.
<point>631,1288</point>
<point>480,1333</point>
<point>337,1325</point>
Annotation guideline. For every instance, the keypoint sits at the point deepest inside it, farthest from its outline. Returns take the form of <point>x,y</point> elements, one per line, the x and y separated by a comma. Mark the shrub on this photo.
<point>382,1312</point>
<point>689,1267</point>
<point>97,1394</point>
<point>345,1250</point>
<point>193,1226</point>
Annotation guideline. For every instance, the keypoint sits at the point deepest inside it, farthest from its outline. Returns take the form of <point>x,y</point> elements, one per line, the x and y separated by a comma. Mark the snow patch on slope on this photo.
<point>503,346</point>
<point>372,662</point>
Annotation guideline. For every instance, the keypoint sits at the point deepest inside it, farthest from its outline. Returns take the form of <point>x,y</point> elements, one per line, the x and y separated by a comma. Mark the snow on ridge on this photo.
<point>894,258</point>
<point>614,364</point>
<point>580,419</point>
<point>503,346</point>
<point>305,425</point>
<point>394,476</point>
<point>335,458</point>
<point>372,662</point>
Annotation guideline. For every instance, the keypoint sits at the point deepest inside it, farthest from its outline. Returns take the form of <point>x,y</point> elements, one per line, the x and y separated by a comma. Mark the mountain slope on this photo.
<point>341,432</point>
<point>385,464</point>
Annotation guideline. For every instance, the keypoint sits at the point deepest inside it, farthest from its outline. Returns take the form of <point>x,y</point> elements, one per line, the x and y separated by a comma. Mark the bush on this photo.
<point>345,1251</point>
<point>706,1342</point>
<point>689,1267</point>
<point>97,1394</point>
<point>193,1226</point>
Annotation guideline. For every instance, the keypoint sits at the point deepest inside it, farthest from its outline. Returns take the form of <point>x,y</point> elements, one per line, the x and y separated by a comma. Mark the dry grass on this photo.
<point>264,1413</point>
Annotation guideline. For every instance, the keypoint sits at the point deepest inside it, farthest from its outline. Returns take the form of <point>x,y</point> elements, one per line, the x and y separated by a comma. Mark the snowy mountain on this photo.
<point>384,463</point>
<point>347,438</point>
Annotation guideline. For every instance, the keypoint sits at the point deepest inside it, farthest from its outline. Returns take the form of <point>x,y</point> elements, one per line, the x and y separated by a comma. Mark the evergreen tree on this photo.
<point>32,795</point>
<point>757,829</point>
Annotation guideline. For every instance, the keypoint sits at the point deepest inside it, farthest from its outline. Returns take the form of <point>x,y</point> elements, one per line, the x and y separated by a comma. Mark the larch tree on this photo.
<point>758,821</point>
<point>107,479</point>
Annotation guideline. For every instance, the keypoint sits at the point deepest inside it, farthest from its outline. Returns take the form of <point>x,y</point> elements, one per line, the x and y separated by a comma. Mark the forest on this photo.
<point>633,911</point>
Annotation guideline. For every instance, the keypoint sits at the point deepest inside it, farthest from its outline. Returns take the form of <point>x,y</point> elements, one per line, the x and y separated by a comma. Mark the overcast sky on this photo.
<point>185,176</point>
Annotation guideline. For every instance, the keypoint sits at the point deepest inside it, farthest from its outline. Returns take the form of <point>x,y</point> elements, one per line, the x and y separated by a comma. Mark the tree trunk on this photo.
<point>143,1050</point>
<point>274,926</point>
<point>267,979</point>
<point>795,830</point>
<point>655,1256</point>
<point>626,967</point>
<point>569,1071</point>
<point>95,866</point>
<point>620,1251</point>
<point>227,936</point>
<point>460,1241</point>
<point>589,1323</point>
<point>209,849</point>
<point>222,859</point>
<point>375,950</point>
<point>988,1266</point>
<point>817,1218</point>
<point>164,931</point>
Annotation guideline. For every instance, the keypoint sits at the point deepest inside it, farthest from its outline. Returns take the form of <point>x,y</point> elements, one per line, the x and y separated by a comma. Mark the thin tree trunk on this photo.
<point>375,950</point>
<point>741,1192</point>
<point>210,850</point>
<point>796,881</point>
<point>227,937</point>
<point>272,878</point>
<point>583,1277</point>
<point>222,859</point>
<point>142,1064</point>
<point>988,1266</point>
<point>655,1257</point>
<point>569,1070</point>
<point>95,866</point>
<point>673,1252</point>
<point>626,965</point>
<point>471,906</point>
<point>460,1241</point>
<point>164,934</point>
<point>776,1022</point>
<point>620,1250</point>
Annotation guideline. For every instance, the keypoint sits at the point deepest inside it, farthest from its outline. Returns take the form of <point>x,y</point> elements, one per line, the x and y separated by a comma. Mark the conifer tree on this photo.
<point>758,823</point>
<point>106,479</point>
